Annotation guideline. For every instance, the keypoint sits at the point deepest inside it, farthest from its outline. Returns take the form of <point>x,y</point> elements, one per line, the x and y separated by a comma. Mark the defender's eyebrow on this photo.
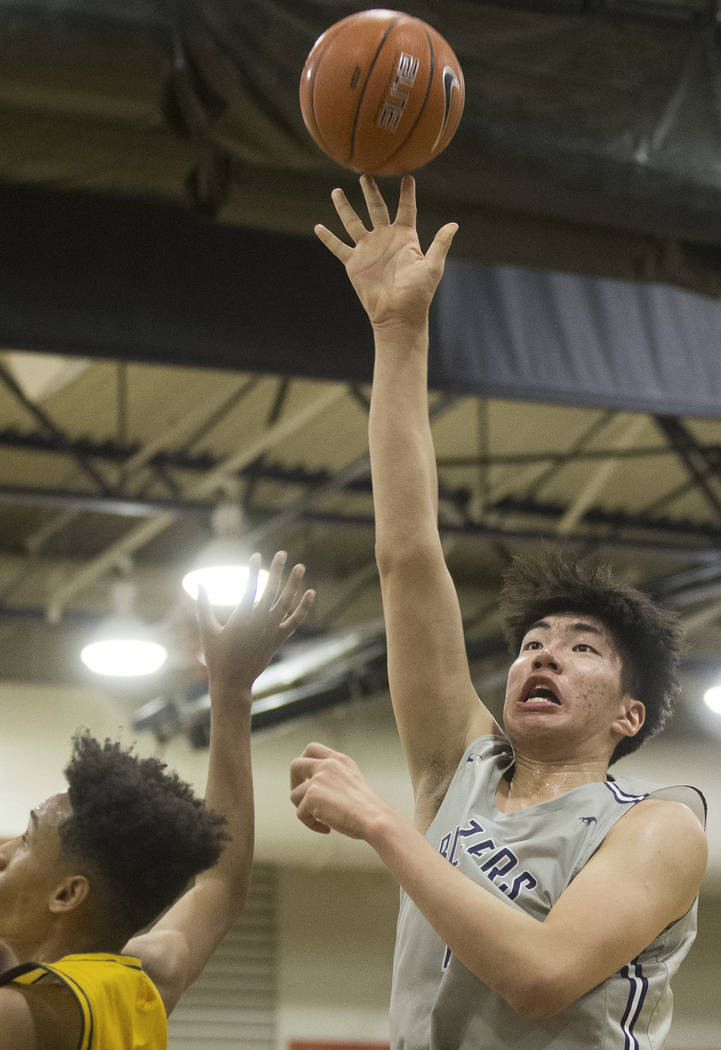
<point>34,817</point>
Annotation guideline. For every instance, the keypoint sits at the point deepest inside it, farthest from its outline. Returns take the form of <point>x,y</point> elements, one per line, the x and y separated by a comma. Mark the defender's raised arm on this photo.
<point>178,946</point>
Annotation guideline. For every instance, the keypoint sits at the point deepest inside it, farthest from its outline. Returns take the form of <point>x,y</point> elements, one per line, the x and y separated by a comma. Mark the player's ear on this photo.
<point>69,894</point>
<point>632,718</point>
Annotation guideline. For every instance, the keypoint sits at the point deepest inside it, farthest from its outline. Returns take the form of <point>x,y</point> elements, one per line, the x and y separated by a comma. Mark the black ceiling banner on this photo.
<point>136,281</point>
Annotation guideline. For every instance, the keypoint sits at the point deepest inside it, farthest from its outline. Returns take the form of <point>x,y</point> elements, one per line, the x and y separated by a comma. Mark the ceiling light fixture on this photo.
<point>124,646</point>
<point>712,699</point>
<point>221,567</point>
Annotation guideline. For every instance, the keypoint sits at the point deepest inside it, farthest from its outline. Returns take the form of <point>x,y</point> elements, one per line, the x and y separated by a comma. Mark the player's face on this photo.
<point>30,869</point>
<point>565,689</point>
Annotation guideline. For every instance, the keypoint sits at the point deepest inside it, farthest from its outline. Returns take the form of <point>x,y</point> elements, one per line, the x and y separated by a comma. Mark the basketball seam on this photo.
<point>318,133</point>
<point>365,84</point>
<point>405,141</point>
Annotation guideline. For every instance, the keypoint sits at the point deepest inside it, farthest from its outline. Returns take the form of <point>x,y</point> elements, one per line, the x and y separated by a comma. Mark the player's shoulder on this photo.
<point>17,1025</point>
<point>662,835</point>
<point>656,821</point>
<point>39,1017</point>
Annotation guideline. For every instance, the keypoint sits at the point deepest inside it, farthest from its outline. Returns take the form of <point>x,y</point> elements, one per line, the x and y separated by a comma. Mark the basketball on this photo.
<point>381,92</point>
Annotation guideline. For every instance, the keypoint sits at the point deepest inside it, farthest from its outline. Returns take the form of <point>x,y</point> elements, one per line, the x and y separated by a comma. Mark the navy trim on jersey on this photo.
<point>70,984</point>
<point>704,803</point>
<point>79,991</point>
<point>17,971</point>
<point>622,796</point>
<point>636,997</point>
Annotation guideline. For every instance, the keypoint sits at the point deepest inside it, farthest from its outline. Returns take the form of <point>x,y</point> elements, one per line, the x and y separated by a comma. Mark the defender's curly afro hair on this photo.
<point>137,827</point>
<point>650,638</point>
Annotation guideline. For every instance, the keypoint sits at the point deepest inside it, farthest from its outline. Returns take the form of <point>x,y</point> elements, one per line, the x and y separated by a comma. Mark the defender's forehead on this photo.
<point>53,810</point>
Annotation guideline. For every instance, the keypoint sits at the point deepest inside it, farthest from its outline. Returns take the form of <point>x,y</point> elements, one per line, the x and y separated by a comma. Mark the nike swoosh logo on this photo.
<point>450,81</point>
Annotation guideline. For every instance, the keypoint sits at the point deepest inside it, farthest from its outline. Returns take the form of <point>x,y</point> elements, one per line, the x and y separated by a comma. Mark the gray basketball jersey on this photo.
<point>528,859</point>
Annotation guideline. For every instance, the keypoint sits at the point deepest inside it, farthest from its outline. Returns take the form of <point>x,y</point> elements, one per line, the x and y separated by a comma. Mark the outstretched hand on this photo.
<point>393,279</point>
<point>238,651</point>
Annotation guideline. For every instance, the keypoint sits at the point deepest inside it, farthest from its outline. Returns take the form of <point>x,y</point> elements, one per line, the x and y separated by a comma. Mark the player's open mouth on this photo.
<point>538,694</point>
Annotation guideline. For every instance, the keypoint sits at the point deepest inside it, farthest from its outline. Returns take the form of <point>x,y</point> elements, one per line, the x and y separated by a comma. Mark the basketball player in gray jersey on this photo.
<point>544,905</point>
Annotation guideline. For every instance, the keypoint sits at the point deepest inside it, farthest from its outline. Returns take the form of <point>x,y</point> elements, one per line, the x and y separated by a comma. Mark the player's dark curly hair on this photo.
<point>138,828</point>
<point>650,638</point>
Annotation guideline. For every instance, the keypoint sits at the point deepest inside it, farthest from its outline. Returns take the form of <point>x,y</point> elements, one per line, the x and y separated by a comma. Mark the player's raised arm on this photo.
<point>437,710</point>
<point>178,946</point>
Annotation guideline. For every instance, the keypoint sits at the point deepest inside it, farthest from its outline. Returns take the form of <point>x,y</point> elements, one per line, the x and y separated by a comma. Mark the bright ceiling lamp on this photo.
<point>124,647</point>
<point>712,699</point>
<point>221,567</point>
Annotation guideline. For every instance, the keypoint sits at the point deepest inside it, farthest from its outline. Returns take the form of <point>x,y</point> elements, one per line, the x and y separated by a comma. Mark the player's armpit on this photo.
<point>437,709</point>
<point>644,877</point>
<point>174,951</point>
<point>165,956</point>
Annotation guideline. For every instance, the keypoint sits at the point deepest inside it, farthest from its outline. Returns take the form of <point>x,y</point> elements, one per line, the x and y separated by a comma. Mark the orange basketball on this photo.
<point>382,92</point>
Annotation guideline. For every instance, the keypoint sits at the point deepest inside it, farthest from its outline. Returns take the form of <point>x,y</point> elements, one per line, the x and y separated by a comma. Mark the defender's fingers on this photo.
<point>287,599</point>
<point>334,244</point>
<point>292,622</point>
<point>274,582</point>
<point>377,209</point>
<point>206,617</point>
<point>251,588</point>
<point>248,597</point>
<point>348,215</point>
<point>406,214</point>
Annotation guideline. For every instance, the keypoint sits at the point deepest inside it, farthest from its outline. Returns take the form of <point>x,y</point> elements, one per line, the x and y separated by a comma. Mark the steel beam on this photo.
<point>703,469</point>
<point>599,479</point>
<point>207,486</point>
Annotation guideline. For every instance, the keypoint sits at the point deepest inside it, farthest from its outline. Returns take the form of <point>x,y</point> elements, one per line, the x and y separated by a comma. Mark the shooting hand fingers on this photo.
<point>407,211</point>
<point>436,254</point>
<point>348,216</point>
<point>334,244</point>
<point>375,203</point>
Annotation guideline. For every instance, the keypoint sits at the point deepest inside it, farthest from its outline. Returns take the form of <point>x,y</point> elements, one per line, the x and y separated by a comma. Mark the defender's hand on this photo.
<point>237,652</point>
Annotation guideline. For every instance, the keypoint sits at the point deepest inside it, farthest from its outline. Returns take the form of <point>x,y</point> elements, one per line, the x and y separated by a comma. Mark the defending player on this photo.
<point>104,860</point>
<point>544,904</point>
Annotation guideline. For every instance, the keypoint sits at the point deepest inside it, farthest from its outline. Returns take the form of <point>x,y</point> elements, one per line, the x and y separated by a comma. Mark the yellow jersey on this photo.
<point>120,1005</point>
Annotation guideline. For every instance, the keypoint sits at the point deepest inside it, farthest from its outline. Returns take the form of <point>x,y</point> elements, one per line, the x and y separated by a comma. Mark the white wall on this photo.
<point>37,723</point>
<point>697,1000</point>
<point>335,950</point>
